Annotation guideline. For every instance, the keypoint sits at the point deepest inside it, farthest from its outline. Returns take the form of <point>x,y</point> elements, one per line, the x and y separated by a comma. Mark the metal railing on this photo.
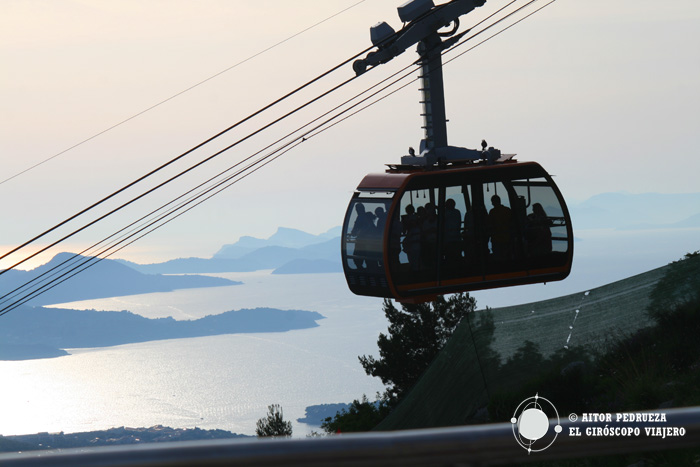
<point>479,445</point>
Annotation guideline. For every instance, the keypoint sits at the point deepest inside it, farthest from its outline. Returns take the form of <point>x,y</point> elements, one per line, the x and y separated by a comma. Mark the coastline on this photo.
<point>111,437</point>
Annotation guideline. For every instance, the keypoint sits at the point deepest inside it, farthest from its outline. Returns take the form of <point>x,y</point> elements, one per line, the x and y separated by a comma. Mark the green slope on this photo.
<point>453,390</point>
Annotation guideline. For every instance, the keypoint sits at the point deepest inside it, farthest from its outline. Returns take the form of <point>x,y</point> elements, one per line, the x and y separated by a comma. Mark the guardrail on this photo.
<point>479,445</point>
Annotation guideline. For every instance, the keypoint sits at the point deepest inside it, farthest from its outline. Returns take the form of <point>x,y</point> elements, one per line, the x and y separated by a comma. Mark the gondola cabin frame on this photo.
<point>434,233</point>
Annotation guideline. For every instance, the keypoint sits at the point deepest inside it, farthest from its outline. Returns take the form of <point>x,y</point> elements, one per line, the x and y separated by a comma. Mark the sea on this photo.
<point>227,381</point>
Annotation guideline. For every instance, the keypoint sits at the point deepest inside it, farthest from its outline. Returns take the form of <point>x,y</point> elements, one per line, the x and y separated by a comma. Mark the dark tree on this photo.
<point>416,334</point>
<point>360,416</point>
<point>679,285</point>
<point>273,425</point>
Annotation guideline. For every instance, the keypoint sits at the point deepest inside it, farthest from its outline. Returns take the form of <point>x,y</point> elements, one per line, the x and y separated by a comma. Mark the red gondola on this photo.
<point>413,234</point>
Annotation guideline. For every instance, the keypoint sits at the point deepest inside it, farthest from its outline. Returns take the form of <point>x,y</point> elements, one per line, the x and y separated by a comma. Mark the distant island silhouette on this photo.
<point>292,251</point>
<point>107,278</point>
<point>288,251</point>
<point>110,437</point>
<point>316,414</point>
<point>320,257</point>
<point>34,332</point>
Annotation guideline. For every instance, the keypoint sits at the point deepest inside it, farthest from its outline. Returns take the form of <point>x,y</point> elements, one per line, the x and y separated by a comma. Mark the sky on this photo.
<point>603,94</point>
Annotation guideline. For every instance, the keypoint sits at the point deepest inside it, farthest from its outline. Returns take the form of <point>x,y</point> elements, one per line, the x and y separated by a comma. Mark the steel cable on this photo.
<point>253,166</point>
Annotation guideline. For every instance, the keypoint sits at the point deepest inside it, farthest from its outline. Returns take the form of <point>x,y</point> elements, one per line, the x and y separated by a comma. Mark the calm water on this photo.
<point>211,382</point>
<point>227,381</point>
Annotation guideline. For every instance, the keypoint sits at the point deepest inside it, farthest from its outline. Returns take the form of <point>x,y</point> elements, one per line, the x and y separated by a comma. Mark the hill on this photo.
<point>30,332</point>
<point>455,388</point>
<point>106,278</point>
<point>110,437</point>
<point>284,237</point>
<point>308,266</point>
<point>322,256</point>
<point>292,251</point>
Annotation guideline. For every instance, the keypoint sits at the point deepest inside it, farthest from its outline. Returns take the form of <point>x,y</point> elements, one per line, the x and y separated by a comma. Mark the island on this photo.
<point>110,437</point>
<point>99,279</point>
<point>37,332</point>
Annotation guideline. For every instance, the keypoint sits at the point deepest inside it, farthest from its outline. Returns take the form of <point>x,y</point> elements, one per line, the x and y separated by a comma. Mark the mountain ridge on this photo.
<point>292,251</point>
<point>283,237</point>
<point>304,259</point>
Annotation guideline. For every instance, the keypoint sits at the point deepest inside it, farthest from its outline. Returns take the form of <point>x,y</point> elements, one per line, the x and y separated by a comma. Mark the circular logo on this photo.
<point>531,425</point>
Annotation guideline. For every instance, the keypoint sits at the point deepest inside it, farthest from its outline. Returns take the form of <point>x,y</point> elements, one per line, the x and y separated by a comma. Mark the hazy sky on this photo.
<point>603,94</point>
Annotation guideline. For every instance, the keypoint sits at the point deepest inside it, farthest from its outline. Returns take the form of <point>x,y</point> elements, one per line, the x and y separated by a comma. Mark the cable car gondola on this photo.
<point>450,219</point>
<point>414,234</point>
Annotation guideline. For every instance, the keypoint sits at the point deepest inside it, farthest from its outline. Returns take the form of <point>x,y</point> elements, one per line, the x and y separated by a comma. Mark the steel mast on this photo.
<point>422,22</point>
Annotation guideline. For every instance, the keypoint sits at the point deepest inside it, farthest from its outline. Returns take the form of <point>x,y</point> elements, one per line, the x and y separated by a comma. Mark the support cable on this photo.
<point>299,139</point>
<point>178,158</point>
<point>502,30</point>
<point>152,172</point>
<point>89,262</point>
<point>253,167</point>
<point>175,176</point>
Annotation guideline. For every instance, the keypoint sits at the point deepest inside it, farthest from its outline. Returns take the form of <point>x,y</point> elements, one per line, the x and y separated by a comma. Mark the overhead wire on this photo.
<point>93,260</point>
<point>307,136</point>
<point>300,138</point>
<point>228,169</point>
<point>74,216</point>
<point>152,172</point>
<point>138,114</point>
<point>177,158</point>
<point>290,145</point>
<point>172,161</point>
<point>162,184</point>
<point>448,51</point>
<point>502,30</point>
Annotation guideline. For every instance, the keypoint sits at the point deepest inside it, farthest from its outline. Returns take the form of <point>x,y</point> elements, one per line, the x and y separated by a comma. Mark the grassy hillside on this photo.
<point>554,345</point>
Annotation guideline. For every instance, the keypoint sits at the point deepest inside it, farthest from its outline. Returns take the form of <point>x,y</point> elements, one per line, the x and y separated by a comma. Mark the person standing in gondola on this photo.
<point>362,231</point>
<point>500,226</point>
<point>539,233</point>
<point>410,224</point>
<point>429,238</point>
<point>452,235</point>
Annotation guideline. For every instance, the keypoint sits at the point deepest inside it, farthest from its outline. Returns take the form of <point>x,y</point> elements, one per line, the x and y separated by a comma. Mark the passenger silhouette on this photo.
<point>395,232</point>
<point>376,238</point>
<point>500,225</point>
<point>362,230</point>
<point>429,237</point>
<point>470,237</point>
<point>539,234</point>
<point>411,227</point>
<point>452,239</point>
<point>381,218</point>
<point>359,220</point>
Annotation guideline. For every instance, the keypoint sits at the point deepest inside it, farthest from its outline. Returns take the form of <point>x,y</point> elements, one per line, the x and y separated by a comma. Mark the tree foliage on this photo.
<point>417,332</point>
<point>360,416</point>
<point>679,285</point>
<point>273,424</point>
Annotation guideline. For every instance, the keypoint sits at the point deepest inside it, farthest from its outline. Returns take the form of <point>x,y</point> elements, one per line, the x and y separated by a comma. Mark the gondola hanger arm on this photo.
<point>422,19</point>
